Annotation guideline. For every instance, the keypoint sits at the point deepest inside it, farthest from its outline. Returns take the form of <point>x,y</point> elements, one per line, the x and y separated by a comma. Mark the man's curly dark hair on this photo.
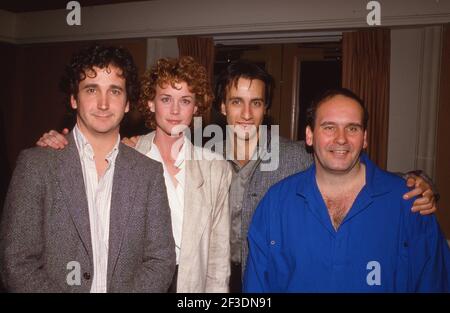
<point>100,56</point>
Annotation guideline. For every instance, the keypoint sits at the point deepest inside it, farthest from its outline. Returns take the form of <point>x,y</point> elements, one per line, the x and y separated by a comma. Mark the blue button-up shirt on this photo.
<point>381,246</point>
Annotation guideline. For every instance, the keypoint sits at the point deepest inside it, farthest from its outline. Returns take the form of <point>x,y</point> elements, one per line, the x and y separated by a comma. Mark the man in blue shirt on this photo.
<point>342,225</point>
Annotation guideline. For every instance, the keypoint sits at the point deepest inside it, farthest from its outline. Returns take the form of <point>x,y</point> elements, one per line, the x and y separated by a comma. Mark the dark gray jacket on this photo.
<point>45,224</point>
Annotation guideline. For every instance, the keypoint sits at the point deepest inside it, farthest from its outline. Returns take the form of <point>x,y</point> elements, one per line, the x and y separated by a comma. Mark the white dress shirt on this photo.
<point>98,193</point>
<point>175,194</point>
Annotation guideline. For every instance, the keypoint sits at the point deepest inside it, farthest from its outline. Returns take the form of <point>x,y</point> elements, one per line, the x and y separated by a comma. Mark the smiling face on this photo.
<point>101,101</point>
<point>244,107</point>
<point>174,106</point>
<point>338,136</point>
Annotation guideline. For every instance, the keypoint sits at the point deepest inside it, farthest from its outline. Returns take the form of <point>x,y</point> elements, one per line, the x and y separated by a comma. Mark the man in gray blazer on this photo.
<point>93,217</point>
<point>243,94</point>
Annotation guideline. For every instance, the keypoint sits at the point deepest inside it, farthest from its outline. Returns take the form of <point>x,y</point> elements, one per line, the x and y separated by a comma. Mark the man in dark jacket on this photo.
<point>85,218</point>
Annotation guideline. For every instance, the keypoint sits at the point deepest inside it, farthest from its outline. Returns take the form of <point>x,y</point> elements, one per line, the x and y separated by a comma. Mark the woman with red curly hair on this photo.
<point>173,91</point>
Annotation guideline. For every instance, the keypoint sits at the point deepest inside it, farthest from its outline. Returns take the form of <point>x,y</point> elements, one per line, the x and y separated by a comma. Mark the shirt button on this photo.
<point>87,276</point>
<point>272,242</point>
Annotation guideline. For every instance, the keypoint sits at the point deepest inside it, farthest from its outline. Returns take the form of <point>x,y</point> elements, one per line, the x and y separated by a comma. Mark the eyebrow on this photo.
<point>334,123</point>
<point>240,98</point>
<point>90,86</point>
<point>167,95</point>
<point>96,86</point>
<point>116,87</point>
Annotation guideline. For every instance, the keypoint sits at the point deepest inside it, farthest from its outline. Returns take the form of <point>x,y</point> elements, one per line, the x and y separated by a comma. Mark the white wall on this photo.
<point>162,18</point>
<point>415,57</point>
<point>161,48</point>
<point>404,98</point>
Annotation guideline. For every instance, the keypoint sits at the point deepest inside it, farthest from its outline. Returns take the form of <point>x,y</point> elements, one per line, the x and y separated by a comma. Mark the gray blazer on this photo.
<point>45,225</point>
<point>293,158</point>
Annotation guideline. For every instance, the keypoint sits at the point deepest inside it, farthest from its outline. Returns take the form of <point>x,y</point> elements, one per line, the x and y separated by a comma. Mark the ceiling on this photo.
<point>19,6</point>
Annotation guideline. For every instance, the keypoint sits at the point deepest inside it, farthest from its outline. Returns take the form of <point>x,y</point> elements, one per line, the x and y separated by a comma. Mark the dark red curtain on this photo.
<point>202,50</point>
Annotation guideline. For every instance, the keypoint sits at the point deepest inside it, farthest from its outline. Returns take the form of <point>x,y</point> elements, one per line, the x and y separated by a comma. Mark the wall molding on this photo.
<point>333,24</point>
<point>169,18</point>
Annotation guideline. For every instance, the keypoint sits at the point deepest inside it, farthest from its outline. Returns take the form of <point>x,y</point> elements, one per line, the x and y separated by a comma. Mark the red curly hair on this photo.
<point>172,71</point>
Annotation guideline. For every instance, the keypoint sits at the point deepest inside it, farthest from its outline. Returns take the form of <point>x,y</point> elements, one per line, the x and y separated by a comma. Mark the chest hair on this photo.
<point>339,205</point>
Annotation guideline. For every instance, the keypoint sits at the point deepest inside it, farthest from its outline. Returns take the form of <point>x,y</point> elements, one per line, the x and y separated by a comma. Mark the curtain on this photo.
<point>202,50</point>
<point>365,71</point>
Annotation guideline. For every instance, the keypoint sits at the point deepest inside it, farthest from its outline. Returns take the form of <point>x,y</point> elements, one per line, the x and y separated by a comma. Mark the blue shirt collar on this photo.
<point>310,191</point>
<point>373,184</point>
